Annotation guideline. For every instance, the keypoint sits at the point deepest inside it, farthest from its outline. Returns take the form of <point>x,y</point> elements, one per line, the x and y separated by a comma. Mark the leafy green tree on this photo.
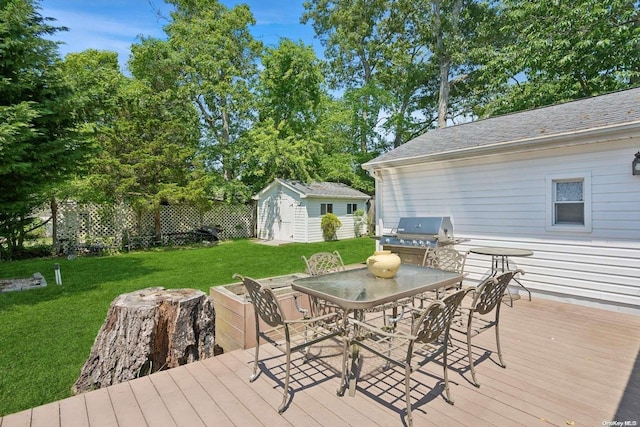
<point>285,142</point>
<point>96,81</point>
<point>291,87</point>
<point>38,147</point>
<point>176,124</point>
<point>559,51</point>
<point>341,157</point>
<point>93,78</point>
<point>431,31</point>
<point>398,61</point>
<point>217,58</point>
<point>150,139</point>
<point>433,57</point>
<point>354,37</point>
<point>271,153</point>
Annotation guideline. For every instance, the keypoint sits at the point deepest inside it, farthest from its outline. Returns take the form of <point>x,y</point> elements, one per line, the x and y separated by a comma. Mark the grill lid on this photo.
<point>439,227</point>
<point>421,231</point>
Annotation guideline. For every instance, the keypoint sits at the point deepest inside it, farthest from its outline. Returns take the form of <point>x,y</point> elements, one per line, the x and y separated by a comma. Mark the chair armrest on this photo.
<point>381,332</point>
<point>313,319</point>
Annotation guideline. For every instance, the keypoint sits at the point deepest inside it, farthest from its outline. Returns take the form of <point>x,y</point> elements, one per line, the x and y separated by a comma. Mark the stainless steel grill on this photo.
<point>420,232</point>
<point>415,235</point>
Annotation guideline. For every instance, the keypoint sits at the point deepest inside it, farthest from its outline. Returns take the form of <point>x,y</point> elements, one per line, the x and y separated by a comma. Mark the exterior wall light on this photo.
<point>636,164</point>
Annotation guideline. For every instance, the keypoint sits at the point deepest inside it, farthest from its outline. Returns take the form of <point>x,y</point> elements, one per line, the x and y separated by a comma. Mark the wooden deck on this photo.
<point>566,365</point>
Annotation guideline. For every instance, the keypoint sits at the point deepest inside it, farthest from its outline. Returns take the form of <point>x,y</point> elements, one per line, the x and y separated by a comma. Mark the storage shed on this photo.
<point>291,211</point>
<point>556,180</point>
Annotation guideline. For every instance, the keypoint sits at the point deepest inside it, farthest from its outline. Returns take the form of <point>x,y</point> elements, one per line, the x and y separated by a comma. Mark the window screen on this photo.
<point>569,202</point>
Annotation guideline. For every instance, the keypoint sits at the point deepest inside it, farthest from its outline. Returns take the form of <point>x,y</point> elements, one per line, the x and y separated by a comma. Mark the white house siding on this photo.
<point>339,209</point>
<point>500,200</point>
<point>301,222</point>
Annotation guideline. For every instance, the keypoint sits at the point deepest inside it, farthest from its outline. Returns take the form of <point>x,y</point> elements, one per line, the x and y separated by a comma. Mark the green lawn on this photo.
<point>46,334</point>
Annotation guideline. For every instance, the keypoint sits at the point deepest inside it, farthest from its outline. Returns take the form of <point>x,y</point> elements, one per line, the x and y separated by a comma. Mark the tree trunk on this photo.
<point>225,143</point>
<point>443,52</point>
<point>157,224</point>
<point>55,245</point>
<point>443,96</point>
<point>146,331</point>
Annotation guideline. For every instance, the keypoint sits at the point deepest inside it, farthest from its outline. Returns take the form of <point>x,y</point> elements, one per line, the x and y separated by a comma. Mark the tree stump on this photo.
<point>146,331</point>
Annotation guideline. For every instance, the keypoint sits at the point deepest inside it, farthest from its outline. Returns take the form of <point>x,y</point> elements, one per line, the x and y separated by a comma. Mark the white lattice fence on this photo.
<point>86,222</point>
<point>111,224</point>
<point>237,221</point>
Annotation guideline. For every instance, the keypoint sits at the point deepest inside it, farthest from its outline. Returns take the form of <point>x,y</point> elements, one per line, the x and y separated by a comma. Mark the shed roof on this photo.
<point>527,127</point>
<point>318,189</point>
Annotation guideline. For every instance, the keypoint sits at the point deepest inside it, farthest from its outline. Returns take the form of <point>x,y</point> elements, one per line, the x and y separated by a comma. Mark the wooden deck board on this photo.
<point>100,409</point>
<point>566,365</point>
<point>151,403</point>
<point>181,410</point>
<point>125,406</point>
<point>267,394</point>
<point>49,413</point>
<point>201,399</point>
<point>73,412</point>
<point>327,388</point>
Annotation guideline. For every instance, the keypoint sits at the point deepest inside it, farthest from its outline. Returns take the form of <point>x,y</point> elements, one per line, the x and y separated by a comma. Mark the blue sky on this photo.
<point>116,24</point>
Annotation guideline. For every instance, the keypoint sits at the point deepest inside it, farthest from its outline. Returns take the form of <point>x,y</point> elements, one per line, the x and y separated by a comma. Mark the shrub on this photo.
<point>330,224</point>
<point>39,250</point>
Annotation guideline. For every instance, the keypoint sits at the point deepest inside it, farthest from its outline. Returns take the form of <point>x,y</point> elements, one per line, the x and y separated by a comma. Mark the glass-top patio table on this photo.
<point>358,290</point>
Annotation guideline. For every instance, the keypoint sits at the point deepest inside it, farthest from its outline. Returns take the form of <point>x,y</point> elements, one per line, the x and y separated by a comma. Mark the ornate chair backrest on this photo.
<point>445,258</point>
<point>324,262</point>
<point>437,317</point>
<point>490,292</point>
<point>264,302</point>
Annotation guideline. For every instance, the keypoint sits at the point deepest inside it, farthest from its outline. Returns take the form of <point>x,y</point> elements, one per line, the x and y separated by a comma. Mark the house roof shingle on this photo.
<point>324,189</point>
<point>616,108</point>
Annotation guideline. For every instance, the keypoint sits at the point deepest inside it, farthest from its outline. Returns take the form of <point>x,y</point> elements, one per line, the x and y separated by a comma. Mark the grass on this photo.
<point>46,334</point>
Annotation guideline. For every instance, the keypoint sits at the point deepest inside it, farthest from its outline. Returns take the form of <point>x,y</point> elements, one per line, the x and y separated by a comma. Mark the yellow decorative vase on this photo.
<point>383,264</point>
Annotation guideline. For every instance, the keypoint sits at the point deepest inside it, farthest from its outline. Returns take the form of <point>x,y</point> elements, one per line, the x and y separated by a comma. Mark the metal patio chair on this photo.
<point>409,347</point>
<point>323,263</point>
<point>288,335</point>
<point>475,319</point>
<point>316,264</point>
<point>444,258</point>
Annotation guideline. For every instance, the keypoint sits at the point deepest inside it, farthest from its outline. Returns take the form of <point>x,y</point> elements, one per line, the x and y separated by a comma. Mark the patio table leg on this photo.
<point>354,371</point>
<point>352,368</point>
<point>500,263</point>
<point>518,281</point>
<point>497,268</point>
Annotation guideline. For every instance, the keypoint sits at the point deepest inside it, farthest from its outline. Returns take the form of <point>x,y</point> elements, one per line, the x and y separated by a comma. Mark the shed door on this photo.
<point>283,228</point>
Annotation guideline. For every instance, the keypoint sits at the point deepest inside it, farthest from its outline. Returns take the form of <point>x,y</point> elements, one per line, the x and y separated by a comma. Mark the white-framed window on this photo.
<point>568,206</point>
<point>352,208</point>
<point>326,208</point>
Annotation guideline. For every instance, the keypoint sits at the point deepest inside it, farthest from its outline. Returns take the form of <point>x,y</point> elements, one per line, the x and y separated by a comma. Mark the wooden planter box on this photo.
<point>235,322</point>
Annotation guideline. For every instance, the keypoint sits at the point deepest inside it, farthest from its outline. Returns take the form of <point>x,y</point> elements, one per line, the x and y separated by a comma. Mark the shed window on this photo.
<point>352,208</point>
<point>569,202</point>
<point>326,208</point>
